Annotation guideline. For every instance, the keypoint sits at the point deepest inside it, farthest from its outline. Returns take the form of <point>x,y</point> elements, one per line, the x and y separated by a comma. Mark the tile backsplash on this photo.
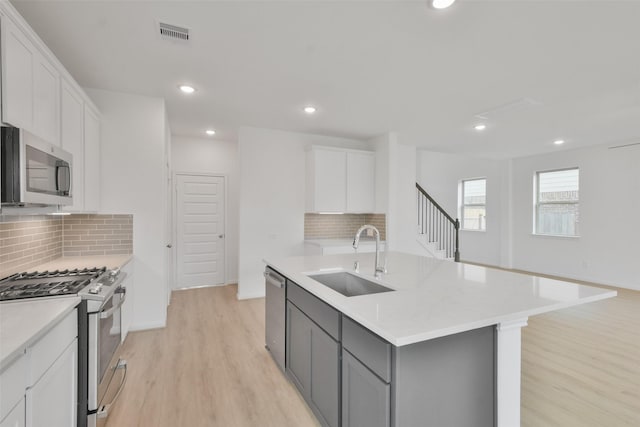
<point>28,241</point>
<point>97,235</point>
<point>343,226</point>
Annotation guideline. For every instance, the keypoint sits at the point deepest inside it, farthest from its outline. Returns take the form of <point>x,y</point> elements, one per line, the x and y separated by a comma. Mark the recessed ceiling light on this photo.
<point>559,141</point>
<point>480,127</point>
<point>310,109</point>
<point>187,88</point>
<point>210,132</point>
<point>441,4</point>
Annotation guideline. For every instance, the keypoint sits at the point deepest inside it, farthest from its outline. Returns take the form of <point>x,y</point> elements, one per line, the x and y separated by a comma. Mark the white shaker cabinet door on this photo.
<point>329,180</point>
<point>46,100</point>
<point>18,57</point>
<point>51,402</point>
<point>361,182</point>
<point>91,160</point>
<point>72,139</point>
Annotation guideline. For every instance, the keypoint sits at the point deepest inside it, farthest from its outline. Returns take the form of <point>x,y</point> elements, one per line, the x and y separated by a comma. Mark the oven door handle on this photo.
<point>108,313</point>
<point>103,412</point>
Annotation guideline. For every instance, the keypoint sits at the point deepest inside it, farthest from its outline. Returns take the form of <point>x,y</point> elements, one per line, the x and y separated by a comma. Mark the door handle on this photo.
<point>169,245</point>
<point>220,236</point>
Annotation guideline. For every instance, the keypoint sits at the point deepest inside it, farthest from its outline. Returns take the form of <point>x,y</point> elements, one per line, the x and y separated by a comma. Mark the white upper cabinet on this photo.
<point>18,58</point>
<point>72,139</point>
<point>340,180</point>
<point>40,96</point>
<point>91,160</point>
<point>30,85</point>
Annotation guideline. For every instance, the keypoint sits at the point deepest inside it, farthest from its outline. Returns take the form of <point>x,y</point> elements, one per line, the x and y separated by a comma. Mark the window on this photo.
<point>557,207</point>
<point>474,200</point>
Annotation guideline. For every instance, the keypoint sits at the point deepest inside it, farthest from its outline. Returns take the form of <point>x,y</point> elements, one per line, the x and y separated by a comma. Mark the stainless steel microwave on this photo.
<point>33,171</point>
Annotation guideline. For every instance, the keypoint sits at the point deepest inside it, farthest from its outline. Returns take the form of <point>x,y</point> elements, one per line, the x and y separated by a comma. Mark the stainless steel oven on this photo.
<point>101,372</point>
<point>107,372</point>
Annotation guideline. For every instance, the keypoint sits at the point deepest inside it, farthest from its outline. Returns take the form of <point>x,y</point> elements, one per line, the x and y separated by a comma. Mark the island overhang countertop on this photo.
<point>434,298</point>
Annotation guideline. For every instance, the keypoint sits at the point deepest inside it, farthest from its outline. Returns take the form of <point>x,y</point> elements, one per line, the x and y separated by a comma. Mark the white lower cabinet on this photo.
<point>52,400</point>
<point>15,418</point>
<point>40,388</point>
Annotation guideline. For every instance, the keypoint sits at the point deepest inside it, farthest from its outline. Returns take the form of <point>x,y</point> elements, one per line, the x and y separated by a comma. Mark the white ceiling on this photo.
<point>369,66</point>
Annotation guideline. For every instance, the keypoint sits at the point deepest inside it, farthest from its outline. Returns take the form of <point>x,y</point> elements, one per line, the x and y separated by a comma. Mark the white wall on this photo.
<point>440,174</point>
<point>132,181</point>
<point>272,199</point>
<point>401,209</point>
<point>209,156</point>
<point>609,244</point>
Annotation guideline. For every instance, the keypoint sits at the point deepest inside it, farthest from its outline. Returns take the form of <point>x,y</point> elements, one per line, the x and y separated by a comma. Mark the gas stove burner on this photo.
<point>57,273</point>
<point>47,283</point>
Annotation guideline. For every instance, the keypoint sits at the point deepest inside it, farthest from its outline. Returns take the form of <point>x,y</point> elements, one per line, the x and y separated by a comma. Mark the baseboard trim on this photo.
<point>250,296</point>
<point>147,326</point>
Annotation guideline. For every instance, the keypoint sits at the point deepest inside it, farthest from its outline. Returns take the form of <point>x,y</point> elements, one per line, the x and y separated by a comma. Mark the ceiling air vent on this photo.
<point>173,32</point>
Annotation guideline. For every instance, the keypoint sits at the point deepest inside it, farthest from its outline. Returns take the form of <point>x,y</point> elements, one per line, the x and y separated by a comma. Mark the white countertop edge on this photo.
<point>339,302</point>
<point>66,304</point>
<point>399,342</point>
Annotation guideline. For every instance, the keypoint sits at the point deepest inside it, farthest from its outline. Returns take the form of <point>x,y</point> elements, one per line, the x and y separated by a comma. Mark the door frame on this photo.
<point>174,230</point>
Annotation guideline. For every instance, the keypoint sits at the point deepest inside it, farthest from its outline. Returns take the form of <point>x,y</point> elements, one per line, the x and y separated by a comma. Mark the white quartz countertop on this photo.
<point>435,298</point>
<point>22,323</point>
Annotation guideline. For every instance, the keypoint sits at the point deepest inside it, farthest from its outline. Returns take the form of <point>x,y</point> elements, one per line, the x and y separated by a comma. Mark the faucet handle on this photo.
<point>356,266</point>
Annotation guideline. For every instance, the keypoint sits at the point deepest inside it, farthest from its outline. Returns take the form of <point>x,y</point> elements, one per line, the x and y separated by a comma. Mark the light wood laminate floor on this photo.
<point>581,366</point>
<point>208,367</point>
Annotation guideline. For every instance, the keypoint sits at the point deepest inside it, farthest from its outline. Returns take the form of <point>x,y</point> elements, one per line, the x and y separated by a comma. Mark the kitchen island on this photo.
<point>451,331</point>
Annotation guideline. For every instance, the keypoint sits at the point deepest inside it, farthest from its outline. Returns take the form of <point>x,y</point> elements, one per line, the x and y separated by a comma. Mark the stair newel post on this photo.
<point>457,253</point>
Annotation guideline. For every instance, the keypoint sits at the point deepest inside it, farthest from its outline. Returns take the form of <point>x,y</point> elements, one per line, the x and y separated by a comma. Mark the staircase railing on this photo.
<point>437,225</point>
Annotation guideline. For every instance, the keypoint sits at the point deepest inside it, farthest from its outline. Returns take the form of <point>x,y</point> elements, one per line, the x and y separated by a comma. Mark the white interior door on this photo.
<point>200,230</point>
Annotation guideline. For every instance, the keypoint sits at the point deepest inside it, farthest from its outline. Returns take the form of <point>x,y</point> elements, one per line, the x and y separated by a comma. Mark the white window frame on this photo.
<point>537,204</point>
<point>472,205</point>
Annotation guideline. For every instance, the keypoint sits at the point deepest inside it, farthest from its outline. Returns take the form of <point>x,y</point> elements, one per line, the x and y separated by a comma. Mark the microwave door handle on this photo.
<point>67,180</point>
<point>68,189</point>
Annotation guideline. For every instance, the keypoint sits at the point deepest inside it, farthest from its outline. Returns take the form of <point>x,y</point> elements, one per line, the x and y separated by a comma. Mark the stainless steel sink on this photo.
<point>349,284</point>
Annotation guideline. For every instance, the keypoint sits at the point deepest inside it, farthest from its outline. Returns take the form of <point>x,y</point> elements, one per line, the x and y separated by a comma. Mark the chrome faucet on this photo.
<point>356,240</point>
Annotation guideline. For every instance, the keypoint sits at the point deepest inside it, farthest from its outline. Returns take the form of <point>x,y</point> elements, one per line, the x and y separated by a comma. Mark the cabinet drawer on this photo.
<point>13,381</point>
<point>45,352</point>
<point>327,317</point>
<point>369,348</point>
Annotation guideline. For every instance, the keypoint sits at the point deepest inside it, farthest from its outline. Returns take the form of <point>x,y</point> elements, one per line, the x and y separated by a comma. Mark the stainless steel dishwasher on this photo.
<point>275,301</point>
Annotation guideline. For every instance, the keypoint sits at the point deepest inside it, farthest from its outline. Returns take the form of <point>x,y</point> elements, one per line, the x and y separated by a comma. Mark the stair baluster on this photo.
<point>436,225</point>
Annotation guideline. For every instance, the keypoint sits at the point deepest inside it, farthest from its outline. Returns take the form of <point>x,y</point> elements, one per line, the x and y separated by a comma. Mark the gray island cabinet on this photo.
<point>351,377</point>
<point>441,348</point>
